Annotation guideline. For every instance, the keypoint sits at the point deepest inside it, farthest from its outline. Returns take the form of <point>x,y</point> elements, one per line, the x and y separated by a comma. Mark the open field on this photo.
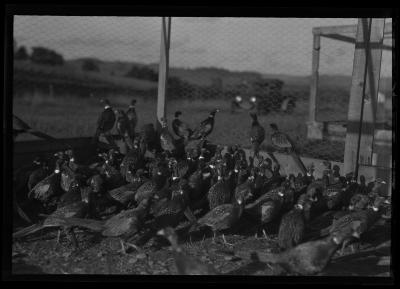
<point>67,115</point>
<point>73,117</point>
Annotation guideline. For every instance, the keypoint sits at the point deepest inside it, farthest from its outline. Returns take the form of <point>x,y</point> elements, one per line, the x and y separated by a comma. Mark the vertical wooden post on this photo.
<point>163,69</point>
<point>371,67</point>
<point>314,129</point>
<point>314,76</point>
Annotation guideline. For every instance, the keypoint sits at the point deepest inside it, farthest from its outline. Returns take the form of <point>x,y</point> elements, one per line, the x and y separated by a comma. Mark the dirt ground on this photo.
<point>40,253</point>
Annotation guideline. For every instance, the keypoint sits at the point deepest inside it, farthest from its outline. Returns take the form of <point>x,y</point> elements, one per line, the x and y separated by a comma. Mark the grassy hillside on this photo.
<point>72,71</point>
<point>112,74</point>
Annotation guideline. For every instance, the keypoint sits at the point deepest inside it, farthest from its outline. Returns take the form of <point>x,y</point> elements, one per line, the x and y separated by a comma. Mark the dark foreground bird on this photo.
<point>47,191</point>
<point>281,142</point>
<point>57,220</point>
<point>205,127</point>
<point>124,225</point>
<point>365,218</point>
<point>292,226</point>
<point>257,134</point>
<point>311,257</point>
<point>185,264</point>
<point>222,218</point>
<point>219,193</point>
<point>41,172</point>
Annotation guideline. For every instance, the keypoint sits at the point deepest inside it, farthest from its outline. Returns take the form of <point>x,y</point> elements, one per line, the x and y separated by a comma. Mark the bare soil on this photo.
<point>40,253</point>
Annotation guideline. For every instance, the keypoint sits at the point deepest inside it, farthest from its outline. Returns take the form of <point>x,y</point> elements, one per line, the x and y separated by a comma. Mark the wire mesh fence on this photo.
<point>63,65</point>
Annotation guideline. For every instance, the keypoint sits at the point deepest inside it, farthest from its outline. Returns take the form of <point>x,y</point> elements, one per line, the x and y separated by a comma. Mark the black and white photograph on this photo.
<point>200,145</point>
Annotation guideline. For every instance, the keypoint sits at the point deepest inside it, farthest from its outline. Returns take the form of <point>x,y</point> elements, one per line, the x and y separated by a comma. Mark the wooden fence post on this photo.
<point>163,69</point>
<point>363,51</point>
<point>314,129</point>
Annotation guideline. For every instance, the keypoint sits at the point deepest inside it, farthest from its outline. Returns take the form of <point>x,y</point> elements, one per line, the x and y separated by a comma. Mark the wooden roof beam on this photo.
<point>349,30</point>
<point>350,39</point>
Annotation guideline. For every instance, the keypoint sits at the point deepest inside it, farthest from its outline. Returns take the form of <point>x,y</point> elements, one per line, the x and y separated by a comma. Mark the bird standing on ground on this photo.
<point>56,220</point>
<point>105,122</point>
<point>257,134</point>
<point>133,119</point>
<point>311,257</point>
<point>292,226</point>
<point>122,124</point>
<point>185,264</point>
<point>222,218</point>
<point>166,139</point>
<point>219,193</point>
<point>48,190</point>
<point>181,129</point>
<point>41,172</point>
<point>281,142</point>
<point>205,127</point>
<point>366,219</point>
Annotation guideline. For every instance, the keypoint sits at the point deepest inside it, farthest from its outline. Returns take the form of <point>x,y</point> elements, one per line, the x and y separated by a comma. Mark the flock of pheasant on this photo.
<point>164,180</point>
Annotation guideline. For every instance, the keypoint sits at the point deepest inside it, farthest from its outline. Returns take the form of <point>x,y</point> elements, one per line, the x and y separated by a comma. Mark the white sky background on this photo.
<point>266,45</point>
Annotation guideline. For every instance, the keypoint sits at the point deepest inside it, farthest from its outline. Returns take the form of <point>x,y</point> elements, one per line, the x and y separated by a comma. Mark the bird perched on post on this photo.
<point>181,128</point>
<point>185,264</point>
<point>106,120</point>
<point>281,142</point>
<point>257,134</point>
<point>205,127</point>
<point>133,119</point>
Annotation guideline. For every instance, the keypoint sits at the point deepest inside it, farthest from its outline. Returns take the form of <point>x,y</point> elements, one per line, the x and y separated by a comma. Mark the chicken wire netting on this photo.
<point>224,63</point>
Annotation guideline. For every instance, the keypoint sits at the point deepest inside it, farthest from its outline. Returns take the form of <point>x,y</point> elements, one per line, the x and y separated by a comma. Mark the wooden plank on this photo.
<point>351,39</point>
<point>342,29</point>
<point>373,63</point>
<point>382,150</point>
<point>350,30</point>
<point>163,69</point>
<point>314,128</point>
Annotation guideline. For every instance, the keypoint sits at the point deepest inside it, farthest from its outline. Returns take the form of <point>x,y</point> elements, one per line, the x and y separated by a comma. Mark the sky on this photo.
<point>266,45</point>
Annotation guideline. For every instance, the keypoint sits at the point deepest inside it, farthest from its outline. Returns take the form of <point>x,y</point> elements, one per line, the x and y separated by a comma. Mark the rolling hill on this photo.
<point>112,76</point>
